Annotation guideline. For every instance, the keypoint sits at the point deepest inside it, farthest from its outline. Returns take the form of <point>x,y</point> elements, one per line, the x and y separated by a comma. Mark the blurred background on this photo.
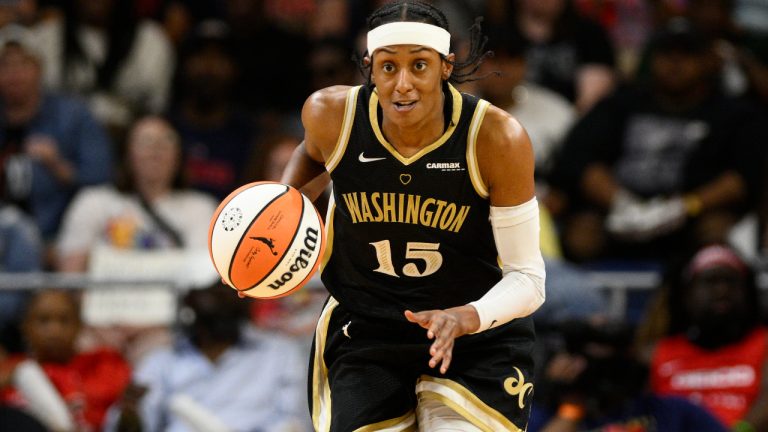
<point>123,123</point>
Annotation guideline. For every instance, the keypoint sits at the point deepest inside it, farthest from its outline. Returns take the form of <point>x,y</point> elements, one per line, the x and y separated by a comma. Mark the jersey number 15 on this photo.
<point>427,252</point>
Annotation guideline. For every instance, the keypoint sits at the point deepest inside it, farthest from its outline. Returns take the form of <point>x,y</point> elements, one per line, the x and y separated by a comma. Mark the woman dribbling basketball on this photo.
<point>422,326</point>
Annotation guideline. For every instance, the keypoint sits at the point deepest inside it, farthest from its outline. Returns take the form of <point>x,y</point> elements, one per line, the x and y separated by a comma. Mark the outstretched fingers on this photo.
<point>443,329</point>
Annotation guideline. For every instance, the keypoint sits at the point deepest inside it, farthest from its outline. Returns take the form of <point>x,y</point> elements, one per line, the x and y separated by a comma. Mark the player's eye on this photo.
<point>420,66</point>
<point>388,67</point>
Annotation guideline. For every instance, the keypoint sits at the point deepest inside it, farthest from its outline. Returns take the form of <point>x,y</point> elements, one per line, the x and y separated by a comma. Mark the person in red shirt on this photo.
<point>87,382</point>
<point>715,352</point>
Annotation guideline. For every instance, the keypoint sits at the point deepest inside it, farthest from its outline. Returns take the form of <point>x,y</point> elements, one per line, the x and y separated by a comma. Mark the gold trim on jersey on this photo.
<point>321,389</point>
<point>328,232</point>
<point>405,423</point>
<point>374,118</point>
<point>464,402</point>
<point>350,106</point>
<point>472,166</point>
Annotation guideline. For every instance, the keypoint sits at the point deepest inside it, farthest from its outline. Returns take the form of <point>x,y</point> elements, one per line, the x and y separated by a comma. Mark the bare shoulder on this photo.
<point>505,157</point>
<point>499,132</point>
<point>322,116</point>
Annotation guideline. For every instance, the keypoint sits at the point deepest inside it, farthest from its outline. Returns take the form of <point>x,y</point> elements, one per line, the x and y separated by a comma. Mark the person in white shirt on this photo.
<point>148,208</point>
<point>221,375</point>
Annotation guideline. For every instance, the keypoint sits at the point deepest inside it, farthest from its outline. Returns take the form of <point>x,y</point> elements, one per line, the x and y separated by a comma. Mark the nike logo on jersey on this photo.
<point>364,159</point>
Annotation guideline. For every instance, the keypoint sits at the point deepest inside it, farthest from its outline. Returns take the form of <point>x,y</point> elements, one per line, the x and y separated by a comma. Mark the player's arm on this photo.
<point>505,159</point>
<point>322,117</point>
<point>506,163</point>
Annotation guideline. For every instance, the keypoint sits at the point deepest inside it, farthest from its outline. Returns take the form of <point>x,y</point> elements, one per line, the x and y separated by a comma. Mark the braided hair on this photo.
<point>423,12</point>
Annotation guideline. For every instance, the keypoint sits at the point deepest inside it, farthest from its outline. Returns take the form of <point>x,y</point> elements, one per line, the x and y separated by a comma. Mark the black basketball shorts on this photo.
<point>366,375</point>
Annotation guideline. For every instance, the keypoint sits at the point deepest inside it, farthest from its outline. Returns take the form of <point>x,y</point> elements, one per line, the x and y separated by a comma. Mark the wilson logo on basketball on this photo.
<point>302,261</point>
<point>266,239</point>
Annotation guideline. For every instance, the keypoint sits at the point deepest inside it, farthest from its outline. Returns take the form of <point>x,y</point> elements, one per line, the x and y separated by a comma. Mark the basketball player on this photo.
<point>433,261</point>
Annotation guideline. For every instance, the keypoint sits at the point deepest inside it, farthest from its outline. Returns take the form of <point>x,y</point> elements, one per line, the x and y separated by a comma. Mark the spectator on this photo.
<point>714,352</point>
<point>218,136</point>
<point>261,89</point>
<point>661,167</point>
<point>741,55</point>
<point>568,54</point>
<point>21,250</point>
<point>114,229</point>
<point>87,382</point>
<point>242,379</point>
<point>51,144</point>
<point>99,49</point>
<point>546,115</point>
<point>149,207</point>
<point>597,383</point>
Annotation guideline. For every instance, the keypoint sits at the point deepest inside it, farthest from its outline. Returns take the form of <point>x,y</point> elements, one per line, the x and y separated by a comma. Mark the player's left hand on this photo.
<point>444,326</point>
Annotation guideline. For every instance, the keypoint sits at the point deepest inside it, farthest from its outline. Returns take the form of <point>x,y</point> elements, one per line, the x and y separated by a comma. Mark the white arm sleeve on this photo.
<point>521,291</point>
<point>44,400</point>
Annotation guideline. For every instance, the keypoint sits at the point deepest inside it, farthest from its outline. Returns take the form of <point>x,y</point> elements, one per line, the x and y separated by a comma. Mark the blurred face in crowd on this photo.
<point>153,151</point>
<point>717,307</point>
<point>717,293</point>
<point>209,74</point>
<point>677,72</point>
<point>213,316</point>
<point>51,326</point>
<point>19,75</point>
<point>95,12</point>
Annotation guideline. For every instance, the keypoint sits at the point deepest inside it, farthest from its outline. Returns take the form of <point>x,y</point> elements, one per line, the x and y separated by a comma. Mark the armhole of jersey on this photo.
<point>472,165</point>
<point>346,128</point>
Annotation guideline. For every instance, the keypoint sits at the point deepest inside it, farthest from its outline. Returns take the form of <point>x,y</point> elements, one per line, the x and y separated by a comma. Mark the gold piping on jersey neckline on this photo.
<point>374,119</point>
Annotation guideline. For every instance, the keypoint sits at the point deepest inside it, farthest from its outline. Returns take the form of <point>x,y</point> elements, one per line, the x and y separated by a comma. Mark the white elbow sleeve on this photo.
<point>521,291</point>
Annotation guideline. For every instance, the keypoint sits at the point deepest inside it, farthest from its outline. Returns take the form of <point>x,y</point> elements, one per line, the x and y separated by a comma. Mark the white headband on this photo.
<point>409,33</point>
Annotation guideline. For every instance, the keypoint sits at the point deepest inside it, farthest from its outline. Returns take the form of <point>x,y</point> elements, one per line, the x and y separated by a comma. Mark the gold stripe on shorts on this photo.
<point>464,402</point>
<point>405,423</point>
<point>321,390</point>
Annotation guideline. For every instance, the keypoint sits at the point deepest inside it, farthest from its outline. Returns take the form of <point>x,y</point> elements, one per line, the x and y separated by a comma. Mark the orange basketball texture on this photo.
<point>266,239</point>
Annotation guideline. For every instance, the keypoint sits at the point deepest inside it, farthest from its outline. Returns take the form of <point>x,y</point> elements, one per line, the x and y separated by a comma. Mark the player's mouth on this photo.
<point>404,106</point>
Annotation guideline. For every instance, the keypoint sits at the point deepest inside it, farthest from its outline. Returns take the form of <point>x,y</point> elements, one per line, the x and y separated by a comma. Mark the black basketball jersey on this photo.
<point>408,232</point>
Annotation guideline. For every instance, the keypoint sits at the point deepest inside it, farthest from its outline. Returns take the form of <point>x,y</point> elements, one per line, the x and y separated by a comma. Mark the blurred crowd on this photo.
<point>123,123</point>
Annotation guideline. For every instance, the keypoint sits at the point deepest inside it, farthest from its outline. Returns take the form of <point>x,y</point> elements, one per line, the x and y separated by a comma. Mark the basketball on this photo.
<point>266,239</point>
